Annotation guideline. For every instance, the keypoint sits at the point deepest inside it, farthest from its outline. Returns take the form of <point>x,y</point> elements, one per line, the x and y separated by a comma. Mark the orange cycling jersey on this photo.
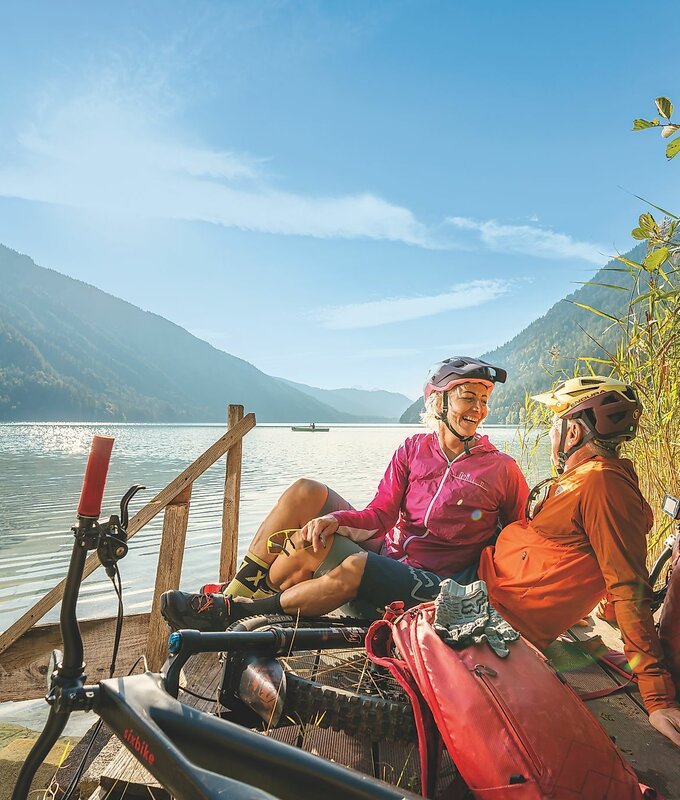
<point>588,536</point>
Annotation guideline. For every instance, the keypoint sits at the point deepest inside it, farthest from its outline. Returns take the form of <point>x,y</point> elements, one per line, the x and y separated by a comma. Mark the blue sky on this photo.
<point>341,193</point>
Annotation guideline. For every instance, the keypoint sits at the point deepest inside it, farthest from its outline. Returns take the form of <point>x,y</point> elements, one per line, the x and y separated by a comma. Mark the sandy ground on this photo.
<point>20,724</point>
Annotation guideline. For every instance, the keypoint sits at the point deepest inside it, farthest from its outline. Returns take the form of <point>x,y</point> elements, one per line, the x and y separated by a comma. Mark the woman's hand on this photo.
<point>667,721</point>
<point>316,531</point>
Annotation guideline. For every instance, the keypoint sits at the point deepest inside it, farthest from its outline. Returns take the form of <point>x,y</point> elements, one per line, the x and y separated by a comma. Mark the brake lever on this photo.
<point>125,502</point>
<point>113,534</point>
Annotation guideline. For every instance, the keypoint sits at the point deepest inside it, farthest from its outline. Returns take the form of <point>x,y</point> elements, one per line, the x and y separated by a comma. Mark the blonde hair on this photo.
<point>433,406</point>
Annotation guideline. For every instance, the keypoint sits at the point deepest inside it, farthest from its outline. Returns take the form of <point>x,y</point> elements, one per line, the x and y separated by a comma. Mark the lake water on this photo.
<point>41,468</point>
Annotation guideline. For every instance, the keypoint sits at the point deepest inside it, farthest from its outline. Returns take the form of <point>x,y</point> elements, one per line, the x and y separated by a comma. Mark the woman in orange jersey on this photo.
<point>587,537</point>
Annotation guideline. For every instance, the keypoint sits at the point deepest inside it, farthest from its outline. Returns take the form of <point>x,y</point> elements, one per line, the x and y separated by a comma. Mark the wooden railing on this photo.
<point>174,500</point>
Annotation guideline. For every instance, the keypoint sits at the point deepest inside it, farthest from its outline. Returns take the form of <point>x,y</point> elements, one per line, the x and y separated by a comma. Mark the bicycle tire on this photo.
<point>661,562</point>
<point>320,699</point>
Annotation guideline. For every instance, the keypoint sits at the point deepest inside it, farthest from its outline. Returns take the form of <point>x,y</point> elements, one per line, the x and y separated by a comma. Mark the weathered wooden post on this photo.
<point>232,494</point>
<point>168,573</point>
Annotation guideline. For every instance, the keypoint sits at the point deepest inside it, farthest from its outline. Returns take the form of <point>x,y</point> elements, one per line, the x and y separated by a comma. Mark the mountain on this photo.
<point>69,351</point>
<point>376,405</point>
<point>553,342</point>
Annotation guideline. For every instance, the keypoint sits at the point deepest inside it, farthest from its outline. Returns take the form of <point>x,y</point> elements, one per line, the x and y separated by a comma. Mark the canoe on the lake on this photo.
<point>313,428</point>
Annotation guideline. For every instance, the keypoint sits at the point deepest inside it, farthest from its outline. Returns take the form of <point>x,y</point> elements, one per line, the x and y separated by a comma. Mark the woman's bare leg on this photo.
<point>308,598</point>
<point>321,595</point>
<point>297,563</point>
<point>301,501</point>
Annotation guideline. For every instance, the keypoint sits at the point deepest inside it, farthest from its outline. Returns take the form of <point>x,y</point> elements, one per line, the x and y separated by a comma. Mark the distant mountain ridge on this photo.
<point>553,342</point>
<point>377,403</point>
<point>71,352</point>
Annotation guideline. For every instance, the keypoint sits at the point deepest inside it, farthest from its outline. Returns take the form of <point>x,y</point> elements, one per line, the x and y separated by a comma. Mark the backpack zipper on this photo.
<point>484,674</point>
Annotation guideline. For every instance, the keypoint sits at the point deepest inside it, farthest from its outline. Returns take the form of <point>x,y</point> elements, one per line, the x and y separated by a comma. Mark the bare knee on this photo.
<point>307,490</point>
<point>304,498</point>
<point>349,572</point>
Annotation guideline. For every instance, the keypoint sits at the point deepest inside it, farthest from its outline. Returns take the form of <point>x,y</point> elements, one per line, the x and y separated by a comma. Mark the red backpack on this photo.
<point>513,728</point>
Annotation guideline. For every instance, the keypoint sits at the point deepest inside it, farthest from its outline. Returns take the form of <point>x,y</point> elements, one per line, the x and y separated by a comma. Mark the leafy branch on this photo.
<point>668,128</point>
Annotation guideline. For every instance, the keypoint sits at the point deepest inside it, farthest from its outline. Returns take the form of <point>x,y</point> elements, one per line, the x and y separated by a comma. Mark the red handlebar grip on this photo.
<point>95,477</point>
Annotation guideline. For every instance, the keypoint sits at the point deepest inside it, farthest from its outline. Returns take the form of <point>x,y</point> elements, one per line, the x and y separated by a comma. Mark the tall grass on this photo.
<point>647,349</point>
<point>646,355</point>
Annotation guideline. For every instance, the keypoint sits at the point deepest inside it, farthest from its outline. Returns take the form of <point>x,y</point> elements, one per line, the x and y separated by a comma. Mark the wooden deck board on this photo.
<point>653,757</point>
<point>23,665</point>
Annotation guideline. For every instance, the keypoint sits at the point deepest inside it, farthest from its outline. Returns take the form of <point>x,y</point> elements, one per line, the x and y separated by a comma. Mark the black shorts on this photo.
<point>385,579</point>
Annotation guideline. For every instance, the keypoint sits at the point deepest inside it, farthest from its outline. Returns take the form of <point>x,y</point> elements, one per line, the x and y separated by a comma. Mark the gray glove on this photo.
<point>463,616</point>
<point>461,612</point>
<point>498,633</point>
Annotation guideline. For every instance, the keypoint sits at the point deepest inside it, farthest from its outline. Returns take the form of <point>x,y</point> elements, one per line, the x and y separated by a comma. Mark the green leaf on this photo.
<point>641,124</point>
<point>673,148</point>
<point>658,208</point>
<point>604,285</point>
<point>630,263</point>
<point>638,233</point>
<point>593,310</point>
<point>648,223</point>
<point>592,358</point>
<point>656,258</point>
<point>665,107</point>
<point>669,130</point>
<point>658,296</point>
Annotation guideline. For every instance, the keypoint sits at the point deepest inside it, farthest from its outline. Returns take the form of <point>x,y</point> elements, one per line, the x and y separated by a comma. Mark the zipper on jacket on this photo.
<point>426,518</point>
<point>484,674</point>
<point>436,495</point>
<point>441,485</point>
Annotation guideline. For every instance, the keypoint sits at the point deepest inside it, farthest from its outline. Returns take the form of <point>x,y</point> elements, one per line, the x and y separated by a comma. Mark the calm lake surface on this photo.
<point>41,467</point>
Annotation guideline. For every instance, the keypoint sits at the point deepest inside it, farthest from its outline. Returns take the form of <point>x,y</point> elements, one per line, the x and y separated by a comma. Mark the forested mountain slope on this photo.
<point>552,343</point>
<point>69,351</point>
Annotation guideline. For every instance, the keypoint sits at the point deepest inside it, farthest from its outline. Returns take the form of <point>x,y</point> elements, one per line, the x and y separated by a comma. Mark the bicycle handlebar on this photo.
<point>90,504</point>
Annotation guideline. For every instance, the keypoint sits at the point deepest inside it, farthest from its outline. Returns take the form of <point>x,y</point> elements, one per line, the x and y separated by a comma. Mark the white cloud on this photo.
<point>97,153</point>
<point>529,240</point>
<point>399,309</point>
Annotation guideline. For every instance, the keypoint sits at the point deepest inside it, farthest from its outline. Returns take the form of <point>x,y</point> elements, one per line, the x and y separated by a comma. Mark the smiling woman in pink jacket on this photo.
<point>444,496</point>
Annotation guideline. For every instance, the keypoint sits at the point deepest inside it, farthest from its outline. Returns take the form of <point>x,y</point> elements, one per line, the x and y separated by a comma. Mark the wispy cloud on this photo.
<point>399,309</point>
<point>529,240</point>
<point>97,152</point>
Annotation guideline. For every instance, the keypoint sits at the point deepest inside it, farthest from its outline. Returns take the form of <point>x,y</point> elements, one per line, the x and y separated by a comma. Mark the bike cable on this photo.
<point>198,696</point>
<point>71,789</point>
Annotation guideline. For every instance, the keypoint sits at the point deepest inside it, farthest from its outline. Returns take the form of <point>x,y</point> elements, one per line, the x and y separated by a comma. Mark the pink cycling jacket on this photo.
<point>437,514</point>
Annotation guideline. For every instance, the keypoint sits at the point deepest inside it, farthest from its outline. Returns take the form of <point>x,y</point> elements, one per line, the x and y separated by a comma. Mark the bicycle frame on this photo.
<point>192,754</point>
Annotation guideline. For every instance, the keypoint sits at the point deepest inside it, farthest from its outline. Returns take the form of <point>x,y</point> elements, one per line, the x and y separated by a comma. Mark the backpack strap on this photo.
<point>380,647</point>
<point>612,660</point>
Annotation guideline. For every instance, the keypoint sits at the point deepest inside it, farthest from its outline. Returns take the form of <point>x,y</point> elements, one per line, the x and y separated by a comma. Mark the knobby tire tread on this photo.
<point>355,714</point>
<point>313,703</point>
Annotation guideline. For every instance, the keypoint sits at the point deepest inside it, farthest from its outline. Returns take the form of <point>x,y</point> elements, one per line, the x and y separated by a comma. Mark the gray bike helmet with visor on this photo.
<point>454,371</point>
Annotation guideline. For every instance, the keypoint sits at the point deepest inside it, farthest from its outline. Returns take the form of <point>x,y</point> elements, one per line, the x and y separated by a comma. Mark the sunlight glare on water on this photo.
<point>42,468</point>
